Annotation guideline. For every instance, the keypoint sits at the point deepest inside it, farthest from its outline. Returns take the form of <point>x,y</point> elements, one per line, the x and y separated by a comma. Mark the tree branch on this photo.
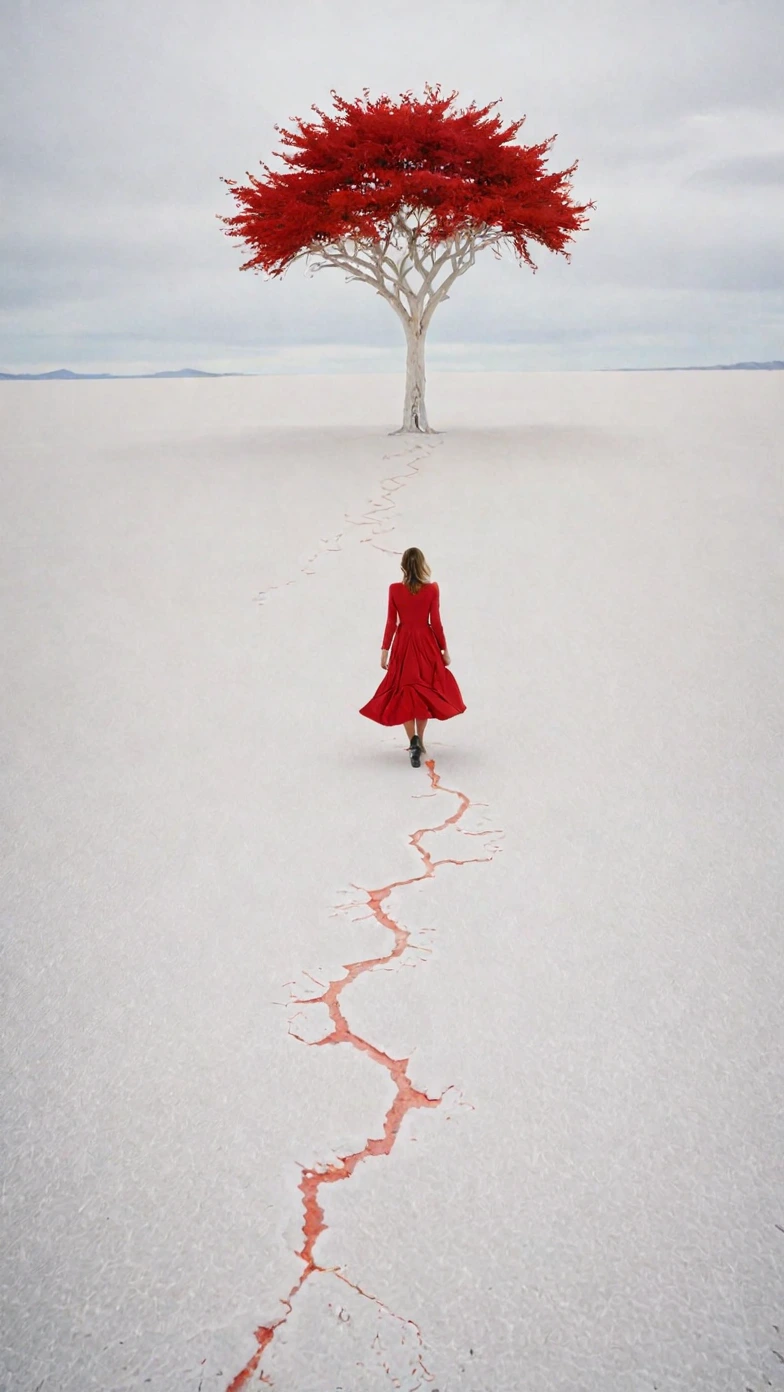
<point>373,264</point>
<point>464,261</point>
<point>324,257</point>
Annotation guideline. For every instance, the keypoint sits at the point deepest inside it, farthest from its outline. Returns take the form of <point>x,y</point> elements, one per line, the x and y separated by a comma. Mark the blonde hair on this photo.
<point>415,568</point>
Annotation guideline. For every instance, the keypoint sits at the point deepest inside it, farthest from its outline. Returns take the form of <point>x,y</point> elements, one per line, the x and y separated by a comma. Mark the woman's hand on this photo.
<point>384,658</point>
<point>446,657</point>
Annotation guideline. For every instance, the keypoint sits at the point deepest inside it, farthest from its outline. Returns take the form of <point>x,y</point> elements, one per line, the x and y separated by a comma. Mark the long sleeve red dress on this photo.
<point>417,684</point>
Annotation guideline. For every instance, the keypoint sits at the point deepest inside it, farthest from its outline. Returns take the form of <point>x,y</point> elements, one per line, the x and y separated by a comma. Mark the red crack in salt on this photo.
<point>388,487</point>
<point>368,519</point>
<point>407,1098</point>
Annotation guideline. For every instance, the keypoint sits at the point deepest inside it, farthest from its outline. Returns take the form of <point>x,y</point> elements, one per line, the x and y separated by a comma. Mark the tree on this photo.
<point>402,196</point>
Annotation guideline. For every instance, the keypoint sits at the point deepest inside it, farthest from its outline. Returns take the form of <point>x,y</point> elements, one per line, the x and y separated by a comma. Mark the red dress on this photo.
<point>417,684</point>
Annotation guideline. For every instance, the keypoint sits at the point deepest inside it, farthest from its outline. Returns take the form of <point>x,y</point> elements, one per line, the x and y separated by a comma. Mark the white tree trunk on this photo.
<point>404,268</point>
<point>414,409</point>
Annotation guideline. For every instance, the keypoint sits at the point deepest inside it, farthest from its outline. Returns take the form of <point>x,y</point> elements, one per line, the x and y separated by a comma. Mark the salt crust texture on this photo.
<point>190,793</point>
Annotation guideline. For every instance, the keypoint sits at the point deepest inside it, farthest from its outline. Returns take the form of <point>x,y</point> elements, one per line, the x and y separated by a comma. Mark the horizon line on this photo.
<point>70,374</point>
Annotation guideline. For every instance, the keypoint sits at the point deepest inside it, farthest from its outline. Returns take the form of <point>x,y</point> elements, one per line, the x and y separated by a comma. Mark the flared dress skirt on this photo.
<point>417,684</point>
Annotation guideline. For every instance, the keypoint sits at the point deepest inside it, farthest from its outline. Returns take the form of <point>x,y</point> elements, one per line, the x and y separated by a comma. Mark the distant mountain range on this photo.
<point>716,367</point>
<point>63,374</point>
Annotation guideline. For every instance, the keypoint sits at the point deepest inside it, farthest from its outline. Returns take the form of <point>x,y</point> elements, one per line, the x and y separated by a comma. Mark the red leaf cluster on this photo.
<point>348,174</point>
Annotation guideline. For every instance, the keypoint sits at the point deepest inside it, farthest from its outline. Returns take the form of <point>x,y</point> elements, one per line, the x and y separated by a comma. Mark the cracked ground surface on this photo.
<point>281,1106</point>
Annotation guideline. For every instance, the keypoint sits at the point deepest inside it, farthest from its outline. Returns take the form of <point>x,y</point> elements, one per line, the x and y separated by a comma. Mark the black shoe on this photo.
<point>414,751</point>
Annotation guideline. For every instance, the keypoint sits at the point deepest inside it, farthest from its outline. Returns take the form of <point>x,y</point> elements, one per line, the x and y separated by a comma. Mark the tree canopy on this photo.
<point>347,175</point>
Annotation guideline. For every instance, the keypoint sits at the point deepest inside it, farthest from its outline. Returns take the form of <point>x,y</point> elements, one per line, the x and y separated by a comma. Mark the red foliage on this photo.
<point>348,174</point>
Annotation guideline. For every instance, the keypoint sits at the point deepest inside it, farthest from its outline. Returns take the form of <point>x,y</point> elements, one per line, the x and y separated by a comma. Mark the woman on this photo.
<point>417,684</point>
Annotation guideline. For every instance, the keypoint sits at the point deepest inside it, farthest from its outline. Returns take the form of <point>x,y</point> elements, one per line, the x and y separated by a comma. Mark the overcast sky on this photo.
<point>119,119</point>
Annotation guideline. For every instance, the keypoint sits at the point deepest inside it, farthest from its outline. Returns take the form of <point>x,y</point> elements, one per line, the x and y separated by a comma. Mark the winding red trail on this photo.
<point>407,1098</point>
<point>388,486</point>
<point>372,518</point>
